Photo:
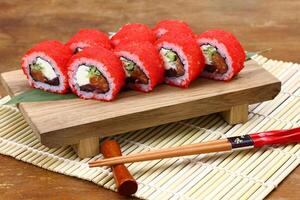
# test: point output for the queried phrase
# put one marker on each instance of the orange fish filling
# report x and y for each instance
(96, 81)
(134, 74)
(37, 75)
(215, 63)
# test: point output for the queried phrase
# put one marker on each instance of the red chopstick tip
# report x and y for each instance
(276, 137)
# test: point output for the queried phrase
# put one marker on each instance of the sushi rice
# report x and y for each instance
(49, 73)
(178, 50)
(142, 65)
(139, 63)
(96, 73)
(224, 55)
(222, 50)
(183, 59)
(45, 66)
(73, 72)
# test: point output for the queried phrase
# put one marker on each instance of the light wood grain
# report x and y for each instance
(236, 114)
(69, 121)
(87, 147)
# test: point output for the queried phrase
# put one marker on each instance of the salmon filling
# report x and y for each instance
(214, 62)
(134, 74)
(173, 65)
(90, 79)
(41, 71)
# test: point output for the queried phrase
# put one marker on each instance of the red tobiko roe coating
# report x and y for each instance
(110, 62)
(147, 53)
(58, 52)
(188, 45)
(232, 44)
(133, 32)
(176, 26)
(89, 38)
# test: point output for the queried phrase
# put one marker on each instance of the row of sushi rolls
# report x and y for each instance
(95, 66)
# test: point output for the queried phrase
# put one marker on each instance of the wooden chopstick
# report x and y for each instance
(205, 147)
(238, 142)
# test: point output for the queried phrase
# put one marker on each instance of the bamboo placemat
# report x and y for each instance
(250, 174)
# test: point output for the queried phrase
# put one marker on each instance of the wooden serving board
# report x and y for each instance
(81, 122)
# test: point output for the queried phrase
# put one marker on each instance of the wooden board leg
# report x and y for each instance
(236, 114)
(87, 147)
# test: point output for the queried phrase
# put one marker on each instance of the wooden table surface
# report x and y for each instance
(258, 25)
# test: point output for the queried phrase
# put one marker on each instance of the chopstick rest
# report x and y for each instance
(125, 183)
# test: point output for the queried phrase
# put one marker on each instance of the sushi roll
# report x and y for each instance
(142, 64)
(175, 26)
(88, 38)
(133, 32)
(45, 66)
(182, 58)
(224, 55)
(96, 73)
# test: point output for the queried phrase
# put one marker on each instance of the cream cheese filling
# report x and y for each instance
(46, 69)
(82, 75)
